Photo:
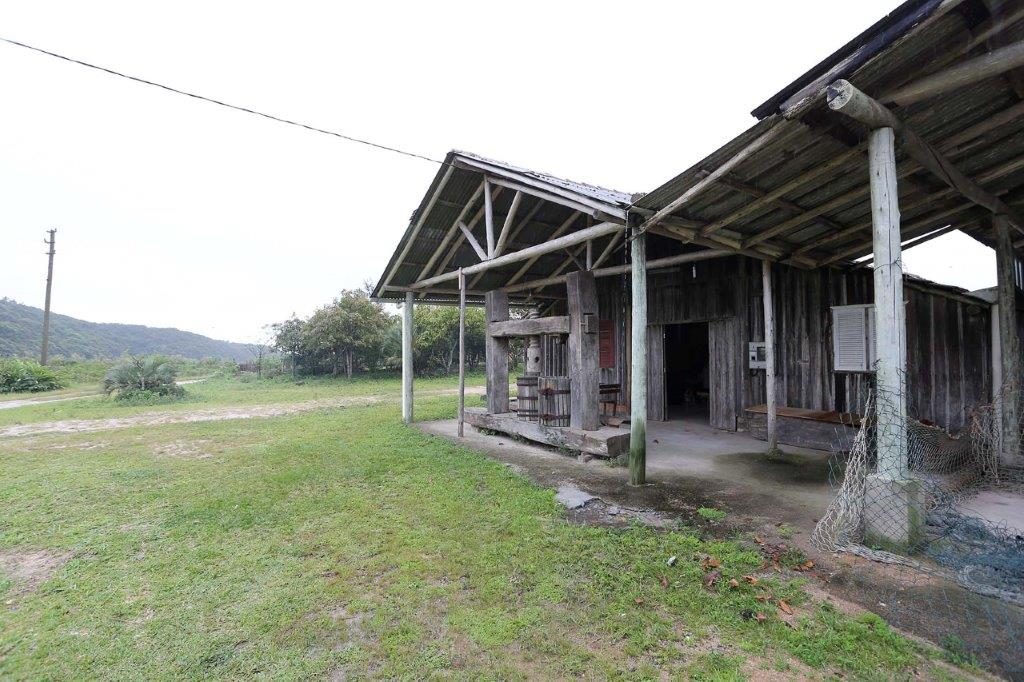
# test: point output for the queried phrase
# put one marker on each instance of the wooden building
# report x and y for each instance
(789, 235)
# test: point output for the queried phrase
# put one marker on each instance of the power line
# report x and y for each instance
(222, 103)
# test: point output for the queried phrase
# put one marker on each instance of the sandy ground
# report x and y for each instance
(207, 415)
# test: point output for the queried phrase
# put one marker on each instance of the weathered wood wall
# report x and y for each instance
(949, 340)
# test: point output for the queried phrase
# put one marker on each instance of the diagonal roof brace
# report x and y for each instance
(846, 99)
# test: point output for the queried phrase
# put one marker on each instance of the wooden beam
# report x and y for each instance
(530, 326)
(531, 185)
(658, 264)
(407, 369)
(473, 242)
(496, 353)
(576, 205)
(584, 355)
(506, 227)
(515, 233)
(846, 99)
(992, 64)
(612, 243)
(538, 250)
(462, 353)
(488, 219)
(994, 173)
(554, 235)
(779, 202)
(712, 177)
(890, 311)
(638, 361)
(441, 251)
(812, 174)
(1010, 351)
(419, 224)
(769, 352)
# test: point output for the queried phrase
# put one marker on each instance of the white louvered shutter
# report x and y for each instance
(849, 337)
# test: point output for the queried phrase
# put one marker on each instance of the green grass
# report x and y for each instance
(711, 514)
(342, 540)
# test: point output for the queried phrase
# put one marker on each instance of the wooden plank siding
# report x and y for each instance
(948, 339)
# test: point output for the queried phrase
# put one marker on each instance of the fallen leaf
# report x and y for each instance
(760, 617)
(711, 579)
(709, 563)
(786, 608)
(808, 565)
(758, 539)
(664, 582)
(751, 579)
(639, 601)
(733, 583)
(763, 597)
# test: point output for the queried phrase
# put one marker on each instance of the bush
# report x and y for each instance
(139, 379)
(18, 376)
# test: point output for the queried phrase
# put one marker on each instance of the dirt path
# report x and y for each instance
(207, 415)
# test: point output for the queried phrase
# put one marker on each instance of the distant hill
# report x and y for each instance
(21, 328)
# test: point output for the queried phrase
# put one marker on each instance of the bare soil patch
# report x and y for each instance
(30, 568)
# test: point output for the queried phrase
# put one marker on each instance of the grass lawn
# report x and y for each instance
(339, 542)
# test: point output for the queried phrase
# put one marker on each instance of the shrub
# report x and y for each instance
(138, 379)
(18, 376)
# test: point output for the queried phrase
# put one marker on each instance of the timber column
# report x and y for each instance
(638, 366)
(407, 333)
(584, 356)
(1009, 398)
(893, 514)
(496, 309)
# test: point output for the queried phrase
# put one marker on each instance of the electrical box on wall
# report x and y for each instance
(757, 353)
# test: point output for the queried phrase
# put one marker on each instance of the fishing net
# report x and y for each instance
(946, 535)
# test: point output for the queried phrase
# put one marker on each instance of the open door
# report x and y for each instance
(725, 357)
(656, 408)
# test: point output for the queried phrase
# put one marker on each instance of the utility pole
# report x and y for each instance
(51, 242)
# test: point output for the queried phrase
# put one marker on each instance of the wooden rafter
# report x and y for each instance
(846, 99)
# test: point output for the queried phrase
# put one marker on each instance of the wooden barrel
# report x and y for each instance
(527, 403)
(554, 401)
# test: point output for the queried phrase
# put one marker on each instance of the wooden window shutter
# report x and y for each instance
(606, 339)
(853, 342)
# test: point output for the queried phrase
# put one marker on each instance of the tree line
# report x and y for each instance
(353, 334)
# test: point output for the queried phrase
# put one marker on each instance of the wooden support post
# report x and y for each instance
(638, 370)
(407, 332)
(769, 352)
(584, 356)
(462, 352)
(489, 218)
(1008, 399)
(496, 310)
(890, 313)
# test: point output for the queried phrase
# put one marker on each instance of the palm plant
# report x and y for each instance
(153, 375)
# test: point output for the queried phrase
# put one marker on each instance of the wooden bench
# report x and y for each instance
(815, 429)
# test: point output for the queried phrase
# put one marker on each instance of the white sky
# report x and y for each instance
(174, 212)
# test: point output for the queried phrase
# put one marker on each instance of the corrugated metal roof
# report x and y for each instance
(827, 219)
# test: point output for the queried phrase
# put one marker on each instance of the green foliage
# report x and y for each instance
(21, 329)
(143, 379)
(436, 344)
(17, 376)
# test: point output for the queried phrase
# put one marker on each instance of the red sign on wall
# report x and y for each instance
(606, 338)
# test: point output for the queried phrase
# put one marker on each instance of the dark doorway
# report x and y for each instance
(687, 375)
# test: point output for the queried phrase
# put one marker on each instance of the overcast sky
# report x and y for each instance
(175, 212)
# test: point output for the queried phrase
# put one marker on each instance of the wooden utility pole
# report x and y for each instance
(51, 242)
